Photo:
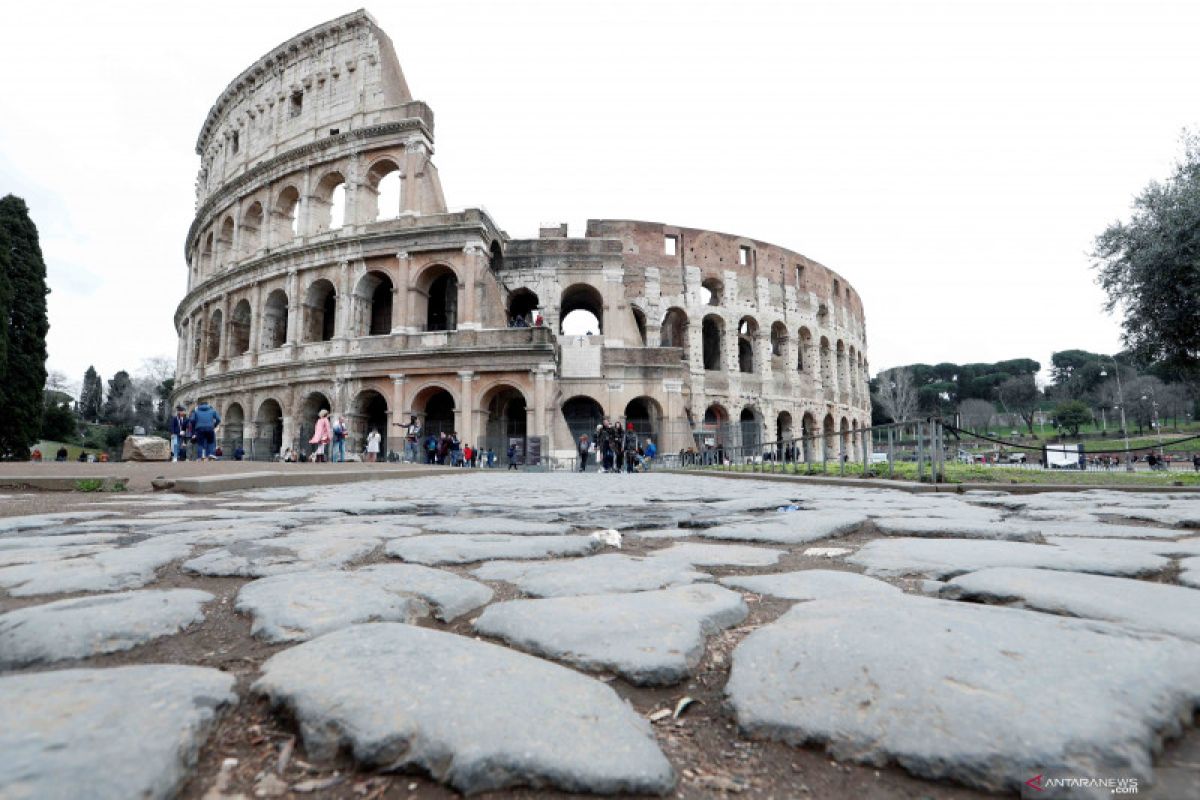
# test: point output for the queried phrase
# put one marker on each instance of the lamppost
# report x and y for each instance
(1121, 399)
(1154, 420)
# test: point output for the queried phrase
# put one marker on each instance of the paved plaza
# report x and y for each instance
(547, 635)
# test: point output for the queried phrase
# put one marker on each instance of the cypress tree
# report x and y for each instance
(90, 396)
(23, 308)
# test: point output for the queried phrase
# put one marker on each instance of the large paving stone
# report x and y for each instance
(944, 558)
(649, 638)
(450, 595)
(603, 574)
(454, 548)
(111, 570)
(474, 715)
(36, 555)
(88, 626)
(983, 695)
(718, 555)
(1156, 607)
(484, 525)
(58, 519)
(794, 527)
(953, 527)
(1105, 530)
(1189, 572)
(812, 584)
(291, 553)
(106, 733)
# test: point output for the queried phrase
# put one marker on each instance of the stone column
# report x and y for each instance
(540, 427)
(469, 317)
(462, 411)
(256, 322)
(293, 320)
(303, 213)
(673, 437)
(399, 405)
(343, 308)
(763, 355)
(401, 302)
(223, 334)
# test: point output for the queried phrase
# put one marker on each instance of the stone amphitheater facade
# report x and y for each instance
(312, 285)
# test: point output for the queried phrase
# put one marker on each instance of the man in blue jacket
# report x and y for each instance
(180, 434)
(204, 422)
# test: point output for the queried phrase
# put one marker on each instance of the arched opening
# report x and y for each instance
(225, 242)
(310, 409)
(785, 448)
(713, 332)
(252, 229)
(370, 414)
(582, 415)
(713, 435)
(712, 292)
(826, 366)
(829, 438)
(803, 351)
(197, 342)
(329, 203)
(232, 425)
(239, 328)
(808, 427)
(373, 299)
(275, 320)
(645, 414)
(269, 425)
(747, 331)
(436, 408)
(522, 308)
(674, 330)
(214, 336)
(751, 430)
(843, 375)
(506, 415)
(497, 257)
(384, 182)
(320, 311)
(779, 337)
(438, 286)
(844, 443)
(286, 215)
(581, 310)
(639, 319)
(206, 255)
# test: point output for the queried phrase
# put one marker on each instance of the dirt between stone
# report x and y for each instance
(703, 745)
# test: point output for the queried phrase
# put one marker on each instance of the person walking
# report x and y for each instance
(512, 456)
(411, 437)
(491, 458)
(322, 436)
(179, 432)
(583, 447)
(629, 444)
(339, 440)
(203, 422)
(373, 441)
(650, 451)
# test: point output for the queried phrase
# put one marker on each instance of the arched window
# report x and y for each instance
(747, 331)
(639, 319)
(581, 311)
(214, 336)
(373, 305)
(779, 337)
(713, 332)
(252, 228)
(225, 243)
(239, 328)
(804, 351)
(320, 311)
(286, 215)
(329, 203)
(275, 320)
(442, 309)
(582, 415)
(674, 330)
(384, 183)
(712, 292)
(522, 307)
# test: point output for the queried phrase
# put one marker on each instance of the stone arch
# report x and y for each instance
(845, 444)
(320, 311)
(233, 422)
(804, 343)
(712, 292)
(842, 373)
(808, 430)
(496, 257)
(646, 414)
(582, 414)
(437, 297)
(639, 321)
(240, 322)
(674, 330)
(713, 334)
(715, 430)
(285, 216)
(779, 343)
(327, 201)
(206, 254)
(585, 299)
(215, 324)
(307, 412)
(369, 411)
(747, 333)
(268, 424)
(372, 308)
(252, 230)
(783, 427)
(523, 304)
(828, 437)
(197, 341)
(435, 406)
(505, 411)
(275, 320)
(826, 365)
(382, 198)
(751, 426)
(225, 242)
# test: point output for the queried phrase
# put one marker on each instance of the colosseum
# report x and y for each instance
(325, 271)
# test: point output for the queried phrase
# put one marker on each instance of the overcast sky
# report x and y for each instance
(954, 160)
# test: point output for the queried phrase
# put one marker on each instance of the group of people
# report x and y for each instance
(329, 441)
(61, 456)
(617, 448)
(447, 449)
(526, 320)
(198, 428)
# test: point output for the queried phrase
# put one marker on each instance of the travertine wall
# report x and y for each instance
(383, 311)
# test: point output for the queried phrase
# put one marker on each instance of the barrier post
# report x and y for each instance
(920, 451)
(891, 454)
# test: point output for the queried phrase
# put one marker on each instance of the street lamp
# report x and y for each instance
(1121, 399)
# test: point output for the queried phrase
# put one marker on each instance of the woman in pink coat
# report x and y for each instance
(322, 436)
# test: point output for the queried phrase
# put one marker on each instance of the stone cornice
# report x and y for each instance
(260, 170)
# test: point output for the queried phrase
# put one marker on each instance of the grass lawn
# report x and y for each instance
(50, 448)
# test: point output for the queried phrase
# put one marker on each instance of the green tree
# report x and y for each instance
(23, 308)
(1071, 415)
(1019, 395)
(1149, 266)
(118, 405)
(91, 396)
(58, 421)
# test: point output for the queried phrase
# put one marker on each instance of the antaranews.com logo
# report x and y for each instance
(1041, 783)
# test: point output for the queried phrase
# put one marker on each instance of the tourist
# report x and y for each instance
(218, 453)
(373, 440)
(539, 321)
(288, 456)
(512, 456)
(203, 422)
(180, 433)
(584, 446)
(103, 459)
(83, 457)
(443, 448)
(322, 435)
(650, 451)
(629, 444)
(491, 458)
(61, 455)
(239, 453)
(35, 456)
(468, 454)
(1196, 462)
(455, 449)
(431, 446)
(338, 429)
(411, 436)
